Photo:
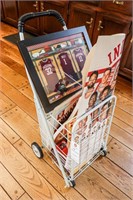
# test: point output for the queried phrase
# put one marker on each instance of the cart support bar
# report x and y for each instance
(32, 15)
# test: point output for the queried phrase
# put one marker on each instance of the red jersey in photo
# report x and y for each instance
(66, 64)
(80, 57)
(49, 72)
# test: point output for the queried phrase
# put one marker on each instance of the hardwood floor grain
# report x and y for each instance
(47, 172)
(12, 77)
(26, 90)
(123, 125)
(122, 136)
(125, 104)
(25, 197)
(124, 116)
(94, 186)
(26, 127)
(120, 178)
(32, 182)
(11, 51)
(3, 194)
(121, 155)
(17, 67)
(18, 98)
(124, 90)
(5, 103)
(8, 132)
(14, 190)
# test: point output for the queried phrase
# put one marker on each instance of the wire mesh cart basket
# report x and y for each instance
(73, 143)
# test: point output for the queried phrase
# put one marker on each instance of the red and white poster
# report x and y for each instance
(100, 71)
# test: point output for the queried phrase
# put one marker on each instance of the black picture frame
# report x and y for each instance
(23, 47)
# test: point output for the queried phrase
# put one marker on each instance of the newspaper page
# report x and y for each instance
(63, 112)
(99, 79)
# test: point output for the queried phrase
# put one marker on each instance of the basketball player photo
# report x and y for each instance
(90, 84)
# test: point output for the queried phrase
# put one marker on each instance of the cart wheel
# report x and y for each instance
(37, 150)
(72, 183)
(104, 153)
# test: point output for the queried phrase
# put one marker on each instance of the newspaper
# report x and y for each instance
(98, 83)
(63, 111)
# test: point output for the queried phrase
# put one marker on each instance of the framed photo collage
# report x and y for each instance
(55, 62)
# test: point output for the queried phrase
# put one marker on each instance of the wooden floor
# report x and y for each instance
(23, 176)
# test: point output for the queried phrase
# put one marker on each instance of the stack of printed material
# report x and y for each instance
(99, 74)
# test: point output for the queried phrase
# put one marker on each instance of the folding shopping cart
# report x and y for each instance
(75, 144)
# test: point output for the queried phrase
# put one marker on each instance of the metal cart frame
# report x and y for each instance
(44, 119)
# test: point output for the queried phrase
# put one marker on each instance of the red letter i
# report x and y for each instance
(110, 60)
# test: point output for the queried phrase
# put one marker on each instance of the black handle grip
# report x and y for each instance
(32, 15)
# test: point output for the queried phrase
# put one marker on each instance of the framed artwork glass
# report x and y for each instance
(54, 63)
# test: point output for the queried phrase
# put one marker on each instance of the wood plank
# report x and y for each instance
(32, 182)
(17, 67)
(5, 103)
(121, 135)
(3, 195)
(125, 91)
(25, 197)
(124, 81)
(94, 186)
(27, 91)
(124, 116)
(12, 77)
(18, 98)
(29, 132)
(7, 60)
(9, 133)
(125, 104)
(109, 139)
(115, 175)
(7, 30)
(50, 162)
(11, 51)
(41, 167)
(14, 190)
(123, 125)
(47, 172)
(8, 43)
(25, 127)
(121, 155)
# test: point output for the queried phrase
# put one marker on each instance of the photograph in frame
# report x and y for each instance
(55, 62)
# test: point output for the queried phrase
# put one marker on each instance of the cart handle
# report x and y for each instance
(32, 15)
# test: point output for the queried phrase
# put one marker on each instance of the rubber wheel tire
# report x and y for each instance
(37, 150)
(72, 183)
(104, 153)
